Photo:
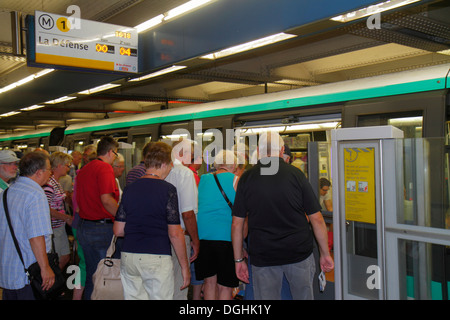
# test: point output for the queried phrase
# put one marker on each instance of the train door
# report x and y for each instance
(26, 145)
(298, 137)
(138, 137)
(208, 136)
(77, 142)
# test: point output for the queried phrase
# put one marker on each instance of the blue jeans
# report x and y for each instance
(94, 238)
(26, 293)
(267, 281)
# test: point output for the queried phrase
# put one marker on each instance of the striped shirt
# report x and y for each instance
(136, 172)
(30, 218)
(56, 196)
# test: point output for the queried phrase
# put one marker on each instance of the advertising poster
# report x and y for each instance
(359, 173)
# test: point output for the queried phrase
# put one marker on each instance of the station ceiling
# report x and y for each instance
(323, 52)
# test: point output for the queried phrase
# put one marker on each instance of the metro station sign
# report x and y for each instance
(85, 44)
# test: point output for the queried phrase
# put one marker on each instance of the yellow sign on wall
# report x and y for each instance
(359, 173)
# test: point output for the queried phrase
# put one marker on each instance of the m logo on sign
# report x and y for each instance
(46, 22)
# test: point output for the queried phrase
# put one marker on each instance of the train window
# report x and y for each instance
(411, 124)
(298, 135)
(138, 145)
(79, 145)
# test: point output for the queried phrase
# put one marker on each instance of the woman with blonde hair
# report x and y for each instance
(60, 163)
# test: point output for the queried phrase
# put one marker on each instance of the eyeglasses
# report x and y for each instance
(10, 163)
(115, 153)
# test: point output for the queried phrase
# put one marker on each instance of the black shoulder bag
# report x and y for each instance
(34, 271)
(223, 192)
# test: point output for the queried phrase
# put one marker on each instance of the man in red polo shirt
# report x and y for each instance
(97, 196)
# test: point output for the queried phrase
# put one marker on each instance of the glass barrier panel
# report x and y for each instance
(424, 179)
(426, 270)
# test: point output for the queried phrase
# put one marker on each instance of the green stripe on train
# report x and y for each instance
(390, 90)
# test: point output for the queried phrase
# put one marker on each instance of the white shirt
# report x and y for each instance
(183, 179)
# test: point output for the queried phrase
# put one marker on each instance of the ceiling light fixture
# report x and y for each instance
(9, 114)
(59, 100)
(160, 72)
(175, 12)
(249, 45)
(100, 88)
(186, 7)
(25, 80)
(150, 23)
(446, 52)
(376, 8)
(34, 107)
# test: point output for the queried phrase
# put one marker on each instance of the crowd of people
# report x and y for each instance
(175, 228)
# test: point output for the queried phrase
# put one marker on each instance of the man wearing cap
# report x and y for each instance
(8, 168)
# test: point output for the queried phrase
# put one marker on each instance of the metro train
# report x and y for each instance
(415, 101)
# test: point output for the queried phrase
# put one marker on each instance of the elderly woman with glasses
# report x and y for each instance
(60, 165)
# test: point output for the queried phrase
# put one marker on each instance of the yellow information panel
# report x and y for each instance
(359, 173)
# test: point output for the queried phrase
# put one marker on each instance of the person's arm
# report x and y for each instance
(237, 239)
(119, 228)
(109, 203)
(55, 214)
(176, 237)
(120, 218)
(188, 197)
(320, 232)
(190, 223)
(328, 205)
(40, 252)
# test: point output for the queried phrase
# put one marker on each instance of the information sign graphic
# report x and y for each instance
(89, 44)
(359, 174)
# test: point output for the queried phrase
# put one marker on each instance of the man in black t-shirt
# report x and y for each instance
(280, 205)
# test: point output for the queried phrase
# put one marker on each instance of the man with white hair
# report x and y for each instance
(279, 203)
(183, 179)
(8, 167)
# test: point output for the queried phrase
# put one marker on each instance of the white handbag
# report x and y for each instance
(106, 279)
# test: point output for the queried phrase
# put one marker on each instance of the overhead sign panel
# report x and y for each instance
(84, 44)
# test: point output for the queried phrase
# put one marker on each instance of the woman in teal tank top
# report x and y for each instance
(215, 263)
